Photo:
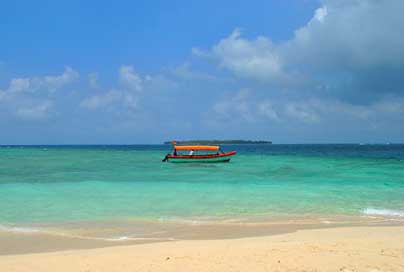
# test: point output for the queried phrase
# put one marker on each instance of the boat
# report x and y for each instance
(198, 153)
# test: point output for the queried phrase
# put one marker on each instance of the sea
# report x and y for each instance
(48, 186)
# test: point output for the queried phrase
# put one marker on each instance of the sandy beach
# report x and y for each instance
(202, 136)
(373, 249)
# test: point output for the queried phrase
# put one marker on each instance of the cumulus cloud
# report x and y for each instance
(185, 72)
(255, 59)
(126, 97)
(101, 101)
(267, 109)
(302, 111)
(348, 48)
(385, 108)
(244, 106)
(45, 83)
(93, 80)
(57, 82)
(35, 112)
(237, 105)
(110, 99)
(320, 14)
(19, 85)
(29, 98)
(130, 79)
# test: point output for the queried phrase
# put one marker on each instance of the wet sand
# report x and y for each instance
(377, 248)
(96, 234)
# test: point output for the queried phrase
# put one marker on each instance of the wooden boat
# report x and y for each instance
(198, 153)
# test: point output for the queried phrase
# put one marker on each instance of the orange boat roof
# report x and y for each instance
(196, 147)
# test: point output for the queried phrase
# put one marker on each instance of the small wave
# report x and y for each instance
(126, 238)
(117, 239)
(183, 220)
(17, 229)
(384, 212)
(326, 222)
(27, 230)
(204, 220)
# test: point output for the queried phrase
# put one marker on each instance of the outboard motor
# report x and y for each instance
(165, 158)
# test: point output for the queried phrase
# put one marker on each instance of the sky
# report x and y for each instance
(144, 72)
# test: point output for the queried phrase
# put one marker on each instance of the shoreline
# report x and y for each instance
(360, 248)
(100, 234)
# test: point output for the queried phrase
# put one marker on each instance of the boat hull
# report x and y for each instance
(224, 157)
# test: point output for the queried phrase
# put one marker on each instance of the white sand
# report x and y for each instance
(339, 249)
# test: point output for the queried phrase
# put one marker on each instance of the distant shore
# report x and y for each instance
(218, 142)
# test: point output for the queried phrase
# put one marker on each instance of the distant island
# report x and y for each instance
(217, 142)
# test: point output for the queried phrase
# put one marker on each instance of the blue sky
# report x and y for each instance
(122, 72)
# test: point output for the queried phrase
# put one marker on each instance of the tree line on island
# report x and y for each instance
(217, 142)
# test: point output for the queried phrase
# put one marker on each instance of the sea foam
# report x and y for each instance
(384, 212)
(17, 229)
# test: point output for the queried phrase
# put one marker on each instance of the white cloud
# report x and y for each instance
(29, 98)
(390, 106)
(45, 83)
(236, 106)
(35, 112)
(19, 85)
(349, 46)
(320, 14)
(255, 59)
(57, 82)
(323, 110)
(110, 99)
(301, 111)
(267, 109)
(245, 107)
(93, 80)
(185, 72)
(119, 100)
(198, 52)
(130, 79)
(341, 73)
(101, 101)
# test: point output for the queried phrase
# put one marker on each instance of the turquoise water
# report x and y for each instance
(72, 183)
